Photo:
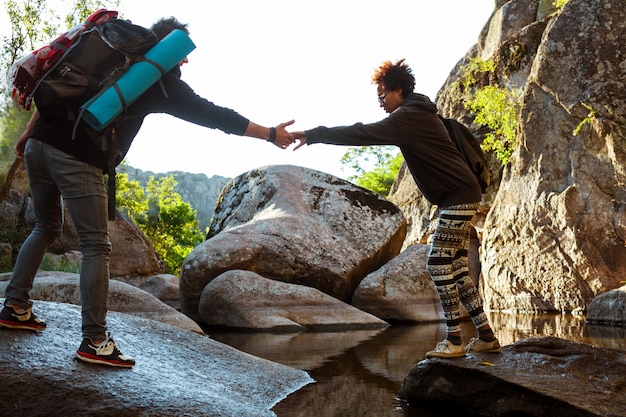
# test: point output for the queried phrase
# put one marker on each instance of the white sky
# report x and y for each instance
(276, 60)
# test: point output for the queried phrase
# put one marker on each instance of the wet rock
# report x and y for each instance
(177, 372)
(245, 300)
(534, 377)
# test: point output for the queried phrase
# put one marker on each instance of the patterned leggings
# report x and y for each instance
(448, 268)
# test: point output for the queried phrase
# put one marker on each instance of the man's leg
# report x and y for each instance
(48, 213)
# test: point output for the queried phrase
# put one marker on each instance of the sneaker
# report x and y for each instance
(478, 345)
(446, 349)
(106, 353)
(27, 320)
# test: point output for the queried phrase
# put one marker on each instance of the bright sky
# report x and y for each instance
(277, 60)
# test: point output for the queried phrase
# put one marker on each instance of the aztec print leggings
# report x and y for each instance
(448, 267)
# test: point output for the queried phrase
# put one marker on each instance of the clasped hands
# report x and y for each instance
(284, 138)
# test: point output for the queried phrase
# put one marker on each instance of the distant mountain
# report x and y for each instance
(200, 191)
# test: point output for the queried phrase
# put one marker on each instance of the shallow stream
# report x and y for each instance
(359, 373)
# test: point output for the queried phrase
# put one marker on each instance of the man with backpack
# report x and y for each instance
(65, 168)
(444, 178)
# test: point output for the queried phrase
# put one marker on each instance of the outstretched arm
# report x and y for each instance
(278, 135)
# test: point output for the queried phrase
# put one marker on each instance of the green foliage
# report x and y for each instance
(590, 115)
(167, 221)
(376, 167)
(558, 4)
(497, 108)
(13, 233)
(59, 264)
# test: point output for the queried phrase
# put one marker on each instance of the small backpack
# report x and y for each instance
(93, 60)
(470, 149)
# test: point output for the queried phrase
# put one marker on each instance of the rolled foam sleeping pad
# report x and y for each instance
(139, 77)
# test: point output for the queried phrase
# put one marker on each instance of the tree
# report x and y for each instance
(159, 211)
(376, 167)
(33, 24)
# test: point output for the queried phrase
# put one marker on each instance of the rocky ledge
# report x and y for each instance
(178, 372)
(534, 377)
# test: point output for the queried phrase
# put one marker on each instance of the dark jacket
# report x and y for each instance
(439, 170)
(179, 101)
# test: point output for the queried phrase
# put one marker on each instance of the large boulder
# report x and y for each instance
(608, 308)
(401, 290)
(554, 238)
(535, 377)
(177, 372)
(554, 224)
(246, 301)
(295, 225)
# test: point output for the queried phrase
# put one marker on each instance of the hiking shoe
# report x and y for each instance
(478, 345)
(446, 349)
(27, 320)
(106, 353)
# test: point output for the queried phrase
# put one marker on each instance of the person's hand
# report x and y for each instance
(21, 142)
(283, 138)
(20, 145)
(300, 137)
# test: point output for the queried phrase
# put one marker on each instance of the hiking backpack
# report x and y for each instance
(469, 147)
(90, 58)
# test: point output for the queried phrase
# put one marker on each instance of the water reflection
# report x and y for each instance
(359, 373)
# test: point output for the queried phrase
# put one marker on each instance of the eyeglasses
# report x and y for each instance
(381, 97)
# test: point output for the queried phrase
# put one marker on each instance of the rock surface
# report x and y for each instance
(553, 238)
(63, 287)
(608, 308)
(244, 300)
(177, 372)
(401, 290)
(295, 225)
(535, 377)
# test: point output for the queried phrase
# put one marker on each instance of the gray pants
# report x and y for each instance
(53, 174)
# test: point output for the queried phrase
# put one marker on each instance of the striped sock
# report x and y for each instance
(454, 339)
(486, 335)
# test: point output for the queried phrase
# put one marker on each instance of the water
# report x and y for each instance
(359, 373)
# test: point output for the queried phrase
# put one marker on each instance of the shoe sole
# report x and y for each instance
(445, 355)
(100, 361)
(20, 326)
(486, 351)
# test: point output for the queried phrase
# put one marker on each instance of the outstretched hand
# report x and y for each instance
(283, 138)
(300, 137)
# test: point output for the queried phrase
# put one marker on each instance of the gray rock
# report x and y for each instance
(553, 238)
(165, 287)
(244, 300)
(401, 290)
(536, 377)
(177, 372)
(608, 308)
(63, 287)
(295, 225)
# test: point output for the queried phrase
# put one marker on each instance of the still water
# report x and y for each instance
(359, 373)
